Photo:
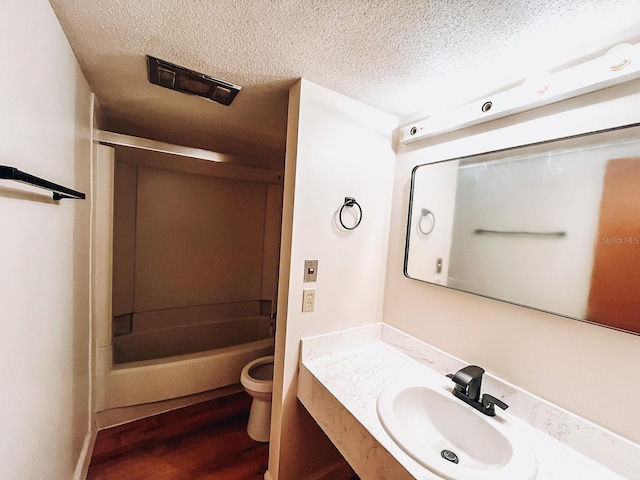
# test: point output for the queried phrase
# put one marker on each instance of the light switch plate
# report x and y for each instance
(310, 270)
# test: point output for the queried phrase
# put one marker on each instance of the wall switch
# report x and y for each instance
(308, 299)
(310, 270)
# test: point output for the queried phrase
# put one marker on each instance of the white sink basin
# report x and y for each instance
(436, 429)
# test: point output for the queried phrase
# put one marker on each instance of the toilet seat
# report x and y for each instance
(258, 375)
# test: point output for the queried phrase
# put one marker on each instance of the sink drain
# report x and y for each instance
(449, 455)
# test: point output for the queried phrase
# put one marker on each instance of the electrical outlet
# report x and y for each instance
(308, 299)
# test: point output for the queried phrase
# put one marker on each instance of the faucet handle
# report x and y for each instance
(489, 402)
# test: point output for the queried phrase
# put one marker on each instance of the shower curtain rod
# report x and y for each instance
(120, 140)
(59, 192)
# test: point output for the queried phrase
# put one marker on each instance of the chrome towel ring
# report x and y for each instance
(350, 202)
(426, 213)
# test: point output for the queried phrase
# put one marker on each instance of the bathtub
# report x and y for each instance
(146, 380)
(149, 363)
(182, 339)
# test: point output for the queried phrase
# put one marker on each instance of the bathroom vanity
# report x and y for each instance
(343, 374)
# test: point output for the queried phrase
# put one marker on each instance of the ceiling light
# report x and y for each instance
(184, 80)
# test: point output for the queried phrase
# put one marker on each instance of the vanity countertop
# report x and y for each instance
(340, 380)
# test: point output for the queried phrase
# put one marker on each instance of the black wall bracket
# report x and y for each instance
(59, 192)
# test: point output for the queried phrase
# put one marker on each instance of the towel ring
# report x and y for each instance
(425, 213)
(350, 202)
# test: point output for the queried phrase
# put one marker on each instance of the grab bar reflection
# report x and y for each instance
(480, 231)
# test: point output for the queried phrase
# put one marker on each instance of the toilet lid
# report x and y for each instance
(262, 372)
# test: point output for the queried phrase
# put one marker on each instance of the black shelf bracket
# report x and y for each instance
(59, 192)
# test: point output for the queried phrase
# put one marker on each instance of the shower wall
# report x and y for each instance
(184, 239)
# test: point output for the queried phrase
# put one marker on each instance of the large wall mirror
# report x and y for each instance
(553, 226)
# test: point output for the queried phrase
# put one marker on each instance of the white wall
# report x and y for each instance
(336, 147)
(587, 369)
(44, 285)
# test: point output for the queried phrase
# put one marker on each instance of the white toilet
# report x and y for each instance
(257, 380)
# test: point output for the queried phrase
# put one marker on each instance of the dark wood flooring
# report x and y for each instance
(206, 441)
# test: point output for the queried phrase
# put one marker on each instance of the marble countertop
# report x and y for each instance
(355, 367)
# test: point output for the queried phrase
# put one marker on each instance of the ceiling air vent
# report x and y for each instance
(184, 80)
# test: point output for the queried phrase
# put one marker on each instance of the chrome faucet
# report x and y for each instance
(468, 381)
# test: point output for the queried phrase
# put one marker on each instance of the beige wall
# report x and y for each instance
(44, 286)
(184, 240)
(337, 147)
(587, 369)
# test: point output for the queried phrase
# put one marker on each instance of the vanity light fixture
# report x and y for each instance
(615, 67)
(619, 56)
(188, 81)
(537, 83)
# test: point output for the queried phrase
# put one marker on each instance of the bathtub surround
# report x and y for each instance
(153, 380)
(197, 306)
(194, 239)
(374, 356)
(46, 129)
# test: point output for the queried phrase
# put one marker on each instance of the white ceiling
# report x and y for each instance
(402, 57)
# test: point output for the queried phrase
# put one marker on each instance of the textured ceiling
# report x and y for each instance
(402, 57)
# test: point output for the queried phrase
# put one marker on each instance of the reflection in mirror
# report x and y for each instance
(553, 226)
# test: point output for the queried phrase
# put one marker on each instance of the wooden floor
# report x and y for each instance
(204, 441)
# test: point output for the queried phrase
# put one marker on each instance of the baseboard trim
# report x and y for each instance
(84, 460)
